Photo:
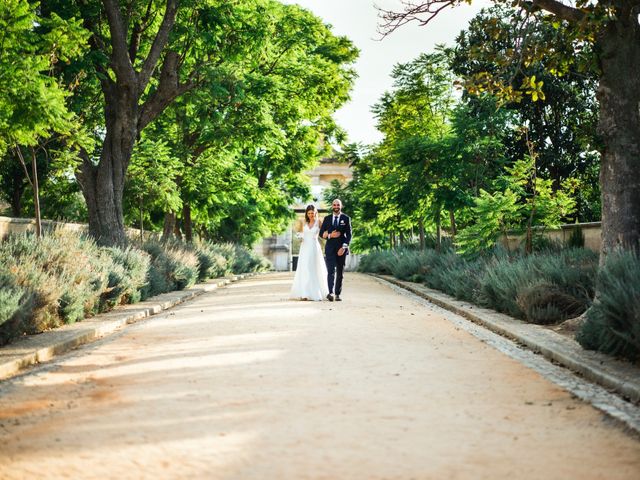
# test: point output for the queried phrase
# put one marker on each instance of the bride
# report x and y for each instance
(310, 280)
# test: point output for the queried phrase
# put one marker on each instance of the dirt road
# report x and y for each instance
(245, 384)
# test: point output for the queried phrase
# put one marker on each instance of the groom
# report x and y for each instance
(336, 229)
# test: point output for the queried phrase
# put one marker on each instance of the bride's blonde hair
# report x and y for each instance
(306, 213)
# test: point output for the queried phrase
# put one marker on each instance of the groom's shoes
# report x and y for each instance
(338, 299)
(330, 297)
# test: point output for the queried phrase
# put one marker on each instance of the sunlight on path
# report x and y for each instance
(245, 384)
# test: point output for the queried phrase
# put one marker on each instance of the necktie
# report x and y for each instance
(335, 222)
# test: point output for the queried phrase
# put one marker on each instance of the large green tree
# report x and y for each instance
(32, 99)
(562, 125)
(262, 116)
(613, 30)
(144, 54)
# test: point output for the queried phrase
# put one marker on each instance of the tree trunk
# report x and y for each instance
(438, 229)
(452, 220)
(423, 243)
(141, 220)
(16, 200)
(36, 193)
(186, 222)
(103, 184)
(619, 127)
(169, 226)
(176, 230)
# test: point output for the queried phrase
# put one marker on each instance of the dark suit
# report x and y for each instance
(335, 263)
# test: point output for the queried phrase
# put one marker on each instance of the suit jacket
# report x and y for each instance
(344, 227)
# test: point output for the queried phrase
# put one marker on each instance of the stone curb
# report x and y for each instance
(40, 348)
(615, 375)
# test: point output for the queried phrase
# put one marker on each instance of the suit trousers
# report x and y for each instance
(335, 270)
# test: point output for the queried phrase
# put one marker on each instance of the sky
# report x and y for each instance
(358, 20)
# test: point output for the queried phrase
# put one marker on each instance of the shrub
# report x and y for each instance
(461, 278)
(10, 297)
(379, 261)
(53, 277)
(576, 239)
(211, 263)
(63, 277)
(411, 265)
(245, 260)
(542, 302)
(613, 322)
(174, 266)
(128, 271)
(541, 288)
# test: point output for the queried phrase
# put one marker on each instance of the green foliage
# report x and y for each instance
(494, 214)
(32, 103)
(258, 121)
(613, 322)
(151, 179)
(540, 288)
(379, 261)
(64, 277)
(11, 296)
(174, 266)
(127, 276)
(576, 239)
(522, 199)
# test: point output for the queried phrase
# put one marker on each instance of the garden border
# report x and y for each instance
(615, 375)
(33, 349)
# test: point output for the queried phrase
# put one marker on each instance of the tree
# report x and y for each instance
(32, 101)
(563, 125)
(613, 29)
(143, 55)
(262, 117)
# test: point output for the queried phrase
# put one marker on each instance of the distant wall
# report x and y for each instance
(20, 225)
(592, 235)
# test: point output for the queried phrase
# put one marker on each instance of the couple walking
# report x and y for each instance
(316, 277)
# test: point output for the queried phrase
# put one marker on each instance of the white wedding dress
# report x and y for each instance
(310, 280)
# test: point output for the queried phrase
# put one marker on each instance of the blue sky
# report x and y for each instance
(357, 19)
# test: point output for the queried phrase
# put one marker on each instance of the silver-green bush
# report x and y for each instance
(613, 322)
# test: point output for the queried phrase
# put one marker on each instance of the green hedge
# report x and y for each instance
(613, 322)
(63, 277)
(545, 287)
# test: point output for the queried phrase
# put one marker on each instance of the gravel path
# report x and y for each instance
(245, 384)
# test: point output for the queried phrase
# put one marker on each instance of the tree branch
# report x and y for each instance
(422, 13)
(560, 10)
(121, 63)
(159, 43)
(168, 90)
(425, 12)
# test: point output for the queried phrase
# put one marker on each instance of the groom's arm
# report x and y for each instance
(323, 228)
(346, 239)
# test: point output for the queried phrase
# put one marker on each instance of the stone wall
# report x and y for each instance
(20, 225)
(591, 231)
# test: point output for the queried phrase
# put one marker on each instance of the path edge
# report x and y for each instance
(617, 376)
(35, 349)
